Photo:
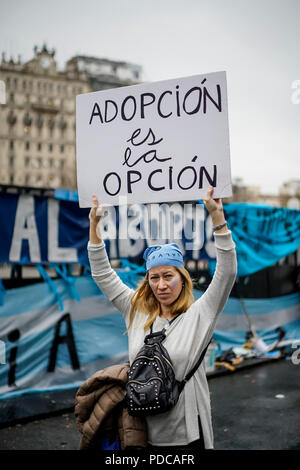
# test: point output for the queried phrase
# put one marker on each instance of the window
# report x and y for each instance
(26, 162)
(62, 149)
(39, 146)
(39, 180)
(11, 161)
(50, 147)
(51, 124)
(27, 123)
(39, 122)
(45, 163)
(11, 118)
(27, 145)
(36, 163)
(11, 144)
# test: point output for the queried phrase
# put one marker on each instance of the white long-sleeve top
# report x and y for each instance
(186, 338)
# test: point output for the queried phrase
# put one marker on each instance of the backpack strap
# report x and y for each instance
(164, 329)
(191, 373)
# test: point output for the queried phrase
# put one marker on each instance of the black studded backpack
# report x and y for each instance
(152, 387)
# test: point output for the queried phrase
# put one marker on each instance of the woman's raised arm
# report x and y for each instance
(219, 289)
(104, 276)
(95, 216)
(215, 209)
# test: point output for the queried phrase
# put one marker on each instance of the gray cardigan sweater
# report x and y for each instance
(186, 338)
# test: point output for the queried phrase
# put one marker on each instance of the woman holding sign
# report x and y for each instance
(164, 295)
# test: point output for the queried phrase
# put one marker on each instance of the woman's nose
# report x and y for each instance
(162, 283)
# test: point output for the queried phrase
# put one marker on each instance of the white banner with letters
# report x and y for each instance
(154, 142)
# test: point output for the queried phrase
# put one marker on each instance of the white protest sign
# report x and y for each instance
(154, 142)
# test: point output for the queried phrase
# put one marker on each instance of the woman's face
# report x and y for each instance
(166, 283)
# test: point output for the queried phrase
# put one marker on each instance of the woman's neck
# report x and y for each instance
(165, 312)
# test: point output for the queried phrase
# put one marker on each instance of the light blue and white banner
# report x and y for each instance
(55, 341)
(55, 338)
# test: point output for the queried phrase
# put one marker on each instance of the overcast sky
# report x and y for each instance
(257, 42)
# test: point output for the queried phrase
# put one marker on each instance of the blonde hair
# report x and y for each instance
(143, 300)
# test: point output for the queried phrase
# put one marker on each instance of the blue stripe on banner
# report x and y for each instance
(30, 391)
(258, 306)
(261, 306)
(99, 338)
(40, 296)
(66, 195)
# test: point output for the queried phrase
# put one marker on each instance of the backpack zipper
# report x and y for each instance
(158, 358)
(144, 383)
(150, 345)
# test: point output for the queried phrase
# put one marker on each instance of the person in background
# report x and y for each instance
(163, 294)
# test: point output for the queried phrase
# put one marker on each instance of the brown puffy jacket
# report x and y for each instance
(100, 411)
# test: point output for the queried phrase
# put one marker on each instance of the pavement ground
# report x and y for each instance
(256, 408)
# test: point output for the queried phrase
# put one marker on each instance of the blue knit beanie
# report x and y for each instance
(163, 255)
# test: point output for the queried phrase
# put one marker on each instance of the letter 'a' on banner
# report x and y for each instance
(154, 142)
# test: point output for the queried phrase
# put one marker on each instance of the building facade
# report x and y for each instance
(251, 194)
(37, 131)
(289, 194)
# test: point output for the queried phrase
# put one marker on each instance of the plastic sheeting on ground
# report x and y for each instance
(55, 339)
